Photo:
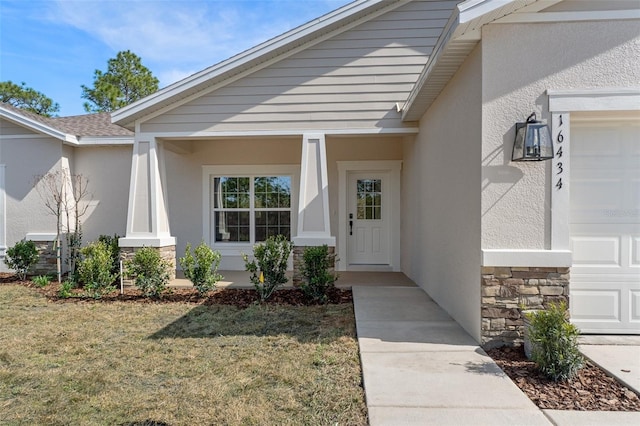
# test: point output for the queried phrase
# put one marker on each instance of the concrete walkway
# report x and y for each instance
(420, 367)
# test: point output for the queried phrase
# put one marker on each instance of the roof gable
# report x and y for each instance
(254, 59)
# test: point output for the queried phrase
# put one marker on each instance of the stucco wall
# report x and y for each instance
(108, 170)
(441, 198)
(519, 63)
(24, 159)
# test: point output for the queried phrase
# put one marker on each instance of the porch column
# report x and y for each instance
(147, 217)
(314, 228)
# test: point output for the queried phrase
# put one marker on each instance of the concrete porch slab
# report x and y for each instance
(593, 418)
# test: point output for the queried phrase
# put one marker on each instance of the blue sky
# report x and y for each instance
(54, 46)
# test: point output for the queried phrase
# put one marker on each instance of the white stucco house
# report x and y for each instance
(385, 129)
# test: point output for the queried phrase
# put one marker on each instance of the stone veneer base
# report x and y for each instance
(298, 256)
(47, 263)
(508, 290)
(167, 253)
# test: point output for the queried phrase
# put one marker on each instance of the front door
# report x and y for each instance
(368, 218)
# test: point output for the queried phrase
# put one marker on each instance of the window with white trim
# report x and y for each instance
(250, 208)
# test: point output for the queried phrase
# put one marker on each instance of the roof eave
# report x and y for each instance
(38, 127)
(459, 38)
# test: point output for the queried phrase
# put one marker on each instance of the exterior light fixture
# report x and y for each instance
(533, 141)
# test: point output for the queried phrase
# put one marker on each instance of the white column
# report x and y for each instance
(147, 218)
(313, 203)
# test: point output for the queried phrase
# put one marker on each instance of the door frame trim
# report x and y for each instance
(394, 168)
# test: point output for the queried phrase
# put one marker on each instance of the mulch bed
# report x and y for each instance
(591, 390)
(241, 298)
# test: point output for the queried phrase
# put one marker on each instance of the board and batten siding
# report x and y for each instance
(350, 81)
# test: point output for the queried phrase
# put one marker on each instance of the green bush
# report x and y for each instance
(21, 257)
(94, 269)
(269, 267)
(112, 242)
(554, 343)
(317, 280)
(41, 280)
(65, 289)
(201, 269)
(149, 271)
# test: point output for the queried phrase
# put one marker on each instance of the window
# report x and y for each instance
(369, 198)
(248, 209)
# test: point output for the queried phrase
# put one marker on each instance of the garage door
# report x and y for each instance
(605, 226)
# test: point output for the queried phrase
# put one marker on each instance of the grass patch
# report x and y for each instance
(177, 364)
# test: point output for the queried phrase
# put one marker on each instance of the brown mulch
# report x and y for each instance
(591, 390)
(241, 298)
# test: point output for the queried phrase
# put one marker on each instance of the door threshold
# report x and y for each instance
(367, 267)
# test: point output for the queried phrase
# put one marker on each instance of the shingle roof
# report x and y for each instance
(91, 125)
(77, 125)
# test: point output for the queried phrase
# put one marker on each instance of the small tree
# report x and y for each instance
(316, 265)
(268, 269)
(112, 242)
(555, 343)
(149, 271)
(21, 257)
(201, 269)
(64, 195)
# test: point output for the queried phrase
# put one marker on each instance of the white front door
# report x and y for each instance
(368, 218)
(605, 226)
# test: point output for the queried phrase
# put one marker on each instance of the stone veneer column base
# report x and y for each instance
(168, 253)
(298, 256)
(507, 290)
(47, 263)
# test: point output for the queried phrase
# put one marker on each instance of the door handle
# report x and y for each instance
(350, 223)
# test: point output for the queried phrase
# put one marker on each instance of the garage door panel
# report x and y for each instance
(605, 226)
(634, 309)
(588, 306)
(596, 251)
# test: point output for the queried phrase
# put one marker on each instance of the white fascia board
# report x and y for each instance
(260, 51)
(37, 126)
(584, 15)
(105, 140)
(473, 9)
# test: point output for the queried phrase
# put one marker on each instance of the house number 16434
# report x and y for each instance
(559, 166)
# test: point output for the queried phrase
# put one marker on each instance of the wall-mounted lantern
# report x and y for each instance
(533, 141)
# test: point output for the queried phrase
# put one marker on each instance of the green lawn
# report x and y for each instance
(181, 364)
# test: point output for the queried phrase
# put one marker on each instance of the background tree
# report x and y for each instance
(125, 81)
(23, 97)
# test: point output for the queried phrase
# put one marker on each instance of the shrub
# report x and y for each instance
(149, 271)
(201, 269)
(555, 343)
(21, 257)
(317, 280)
(112, 242)
(41, 280)
(94, 269)
(269, 267)
(65, 289)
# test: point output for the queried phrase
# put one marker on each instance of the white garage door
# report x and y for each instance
(605, 226)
